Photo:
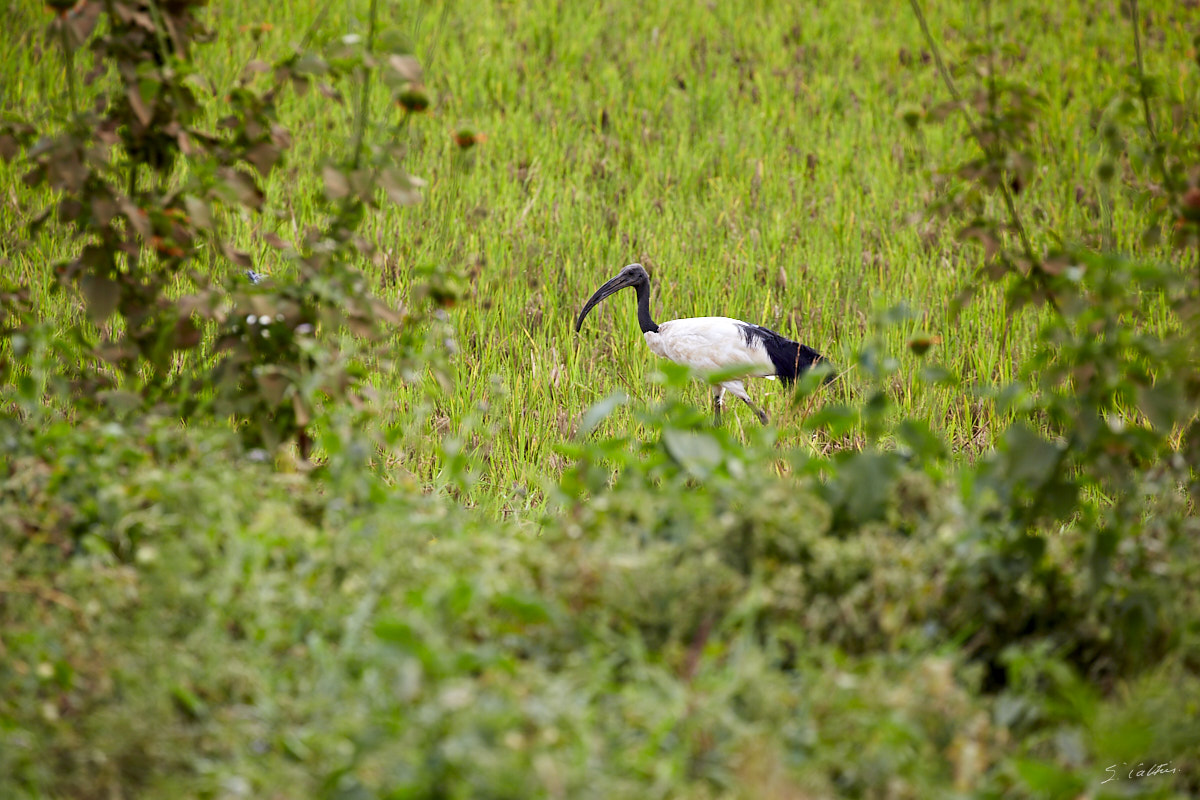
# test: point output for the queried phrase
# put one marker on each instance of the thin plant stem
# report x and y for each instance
(364, 98)
(316, 24)
(1160, 158)
(68, 63)
(1141, 68)
(991, 152)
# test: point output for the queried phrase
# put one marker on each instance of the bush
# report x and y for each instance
(694, 642)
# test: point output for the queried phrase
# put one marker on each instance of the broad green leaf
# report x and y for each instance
(600, 411)
(1047, 779)
(528, 609)
(698, 453)
(1031, 458)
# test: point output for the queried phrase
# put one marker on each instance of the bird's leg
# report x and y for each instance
(718, 395)
(738, 389)
(762, 415)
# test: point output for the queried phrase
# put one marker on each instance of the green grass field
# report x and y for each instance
(513, 605)
(751, 155)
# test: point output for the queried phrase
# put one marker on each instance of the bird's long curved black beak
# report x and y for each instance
(612, 287)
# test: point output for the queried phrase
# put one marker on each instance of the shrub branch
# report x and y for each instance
(991, 152)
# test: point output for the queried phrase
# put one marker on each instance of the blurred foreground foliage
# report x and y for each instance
(184, 611)
(180, 620)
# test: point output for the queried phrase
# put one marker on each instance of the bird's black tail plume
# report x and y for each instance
(804, 358)
(789, 358)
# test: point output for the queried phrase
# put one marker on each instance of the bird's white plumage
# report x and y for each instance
(709, 344)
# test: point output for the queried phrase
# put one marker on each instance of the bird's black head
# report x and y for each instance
(632, 275)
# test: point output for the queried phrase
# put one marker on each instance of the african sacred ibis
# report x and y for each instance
(712, 344)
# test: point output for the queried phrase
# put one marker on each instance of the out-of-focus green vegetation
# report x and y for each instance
(382, 526)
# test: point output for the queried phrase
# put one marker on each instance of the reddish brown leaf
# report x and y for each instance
(199, 212)
(385, 312)
(302, 415)
(187, 335)
(243, 187)
(1056, 265)
(187, 145)
(311, 64)
(136, 217)
(263, 156)
(9, 147)
(113, 353)
(200, 304)
(37, 222)
(280, 136)
(255, 67)
(329, 91)
(82, 21)
(140, 109)
(142, 19)
(362, 183)
(407, 67)
(239, 257)
(360, 326)
(272, 385)
(275, 241)
(103, 209)
(34, 176)
(69, 209)
(399, 187)
(336, 184)
(96, 259)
